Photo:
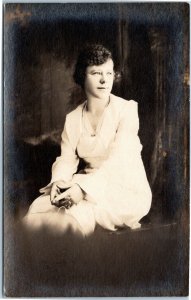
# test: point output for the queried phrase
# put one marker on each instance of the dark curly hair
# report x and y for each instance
(91, 55)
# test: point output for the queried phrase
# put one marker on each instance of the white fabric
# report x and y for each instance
(114, 179)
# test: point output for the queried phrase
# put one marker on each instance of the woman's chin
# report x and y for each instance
(103, 94)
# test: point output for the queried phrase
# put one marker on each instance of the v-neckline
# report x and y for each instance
(90, 129)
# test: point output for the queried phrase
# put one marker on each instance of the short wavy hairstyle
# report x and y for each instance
(91, 55)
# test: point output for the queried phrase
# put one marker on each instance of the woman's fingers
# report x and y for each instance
(64, 199)
(56, 189)
(54, 192)
(60, 196)
(73, 194)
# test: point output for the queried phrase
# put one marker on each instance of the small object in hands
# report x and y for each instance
(65, 202)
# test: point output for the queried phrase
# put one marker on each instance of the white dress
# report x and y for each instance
(116, 188)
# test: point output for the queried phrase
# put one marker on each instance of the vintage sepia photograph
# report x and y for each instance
(96, 149)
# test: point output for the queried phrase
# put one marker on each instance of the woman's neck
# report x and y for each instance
(96, 106)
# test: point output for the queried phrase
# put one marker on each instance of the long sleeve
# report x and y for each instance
(123, 158)
(66, 164)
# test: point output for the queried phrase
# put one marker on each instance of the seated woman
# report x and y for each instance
(112, 190)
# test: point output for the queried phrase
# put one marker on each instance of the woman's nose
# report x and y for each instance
(102, 79)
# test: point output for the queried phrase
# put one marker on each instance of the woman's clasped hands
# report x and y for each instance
(64, 195)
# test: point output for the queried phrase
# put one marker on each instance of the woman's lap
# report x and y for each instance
(85, 214)
(80, 215)
(42, 204)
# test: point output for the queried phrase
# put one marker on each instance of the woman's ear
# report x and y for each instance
(117, 76)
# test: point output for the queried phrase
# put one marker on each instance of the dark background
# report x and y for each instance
(150, 45)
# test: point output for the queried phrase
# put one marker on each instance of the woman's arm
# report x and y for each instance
(65, 165)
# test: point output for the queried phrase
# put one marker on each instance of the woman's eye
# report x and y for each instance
(100, 73)
(96, 73)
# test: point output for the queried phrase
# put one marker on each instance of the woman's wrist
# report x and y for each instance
(82, 191)
(75, 193)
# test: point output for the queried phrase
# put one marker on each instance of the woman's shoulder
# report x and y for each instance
(121, 104)
(76, 112)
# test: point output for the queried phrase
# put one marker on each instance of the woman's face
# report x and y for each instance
(99, 80)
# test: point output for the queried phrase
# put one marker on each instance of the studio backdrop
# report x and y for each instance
(150, 44)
